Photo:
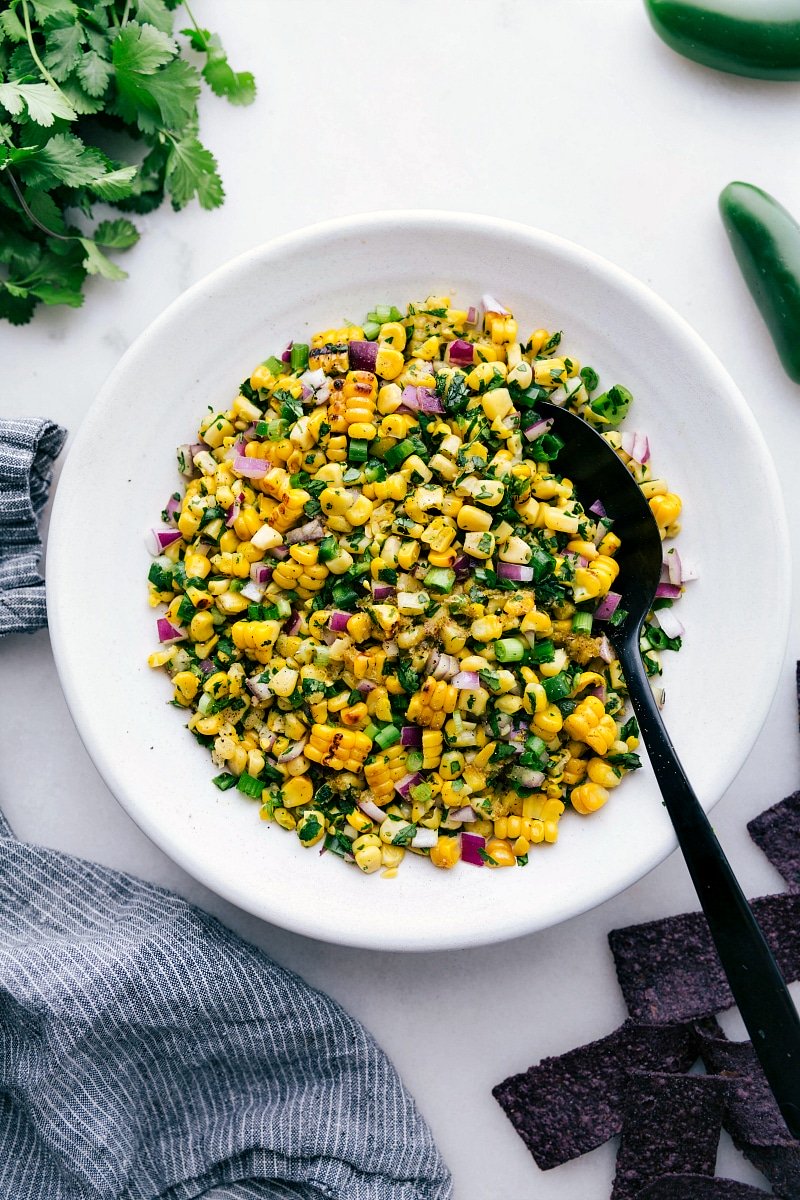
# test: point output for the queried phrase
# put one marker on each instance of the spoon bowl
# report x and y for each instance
(755, 979)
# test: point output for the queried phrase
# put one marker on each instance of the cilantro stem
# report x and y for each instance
(62, 237)
(198, 30)
(29, 35)
(125, 13)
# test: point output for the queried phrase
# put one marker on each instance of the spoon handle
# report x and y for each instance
(755, 979)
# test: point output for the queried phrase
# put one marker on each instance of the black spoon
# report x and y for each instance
(756, 982)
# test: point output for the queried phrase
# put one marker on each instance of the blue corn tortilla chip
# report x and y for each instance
(699, 1187)
(672, 1126)
(776, 831)
(566, 1106)
(669, 970)
(751, 1115)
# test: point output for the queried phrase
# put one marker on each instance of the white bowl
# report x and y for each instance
(121, 470)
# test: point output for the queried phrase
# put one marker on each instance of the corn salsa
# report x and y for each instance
(382, 597)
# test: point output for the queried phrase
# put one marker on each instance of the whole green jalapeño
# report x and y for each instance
(766, 241)
(759, 38)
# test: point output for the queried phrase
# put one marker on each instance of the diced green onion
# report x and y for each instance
(557, 687)
(398, 454)
(422, 793)
(372, 731)
(387, 737)
(358, 450)
(582, 622)
(543, 651)
(224, 781)
(250, 786)
(511, 649)
(299, 356)
(371, 330)
(414, 760)
(441, 578)
(274, 365)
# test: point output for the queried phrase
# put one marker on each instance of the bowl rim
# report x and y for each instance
(519, 923)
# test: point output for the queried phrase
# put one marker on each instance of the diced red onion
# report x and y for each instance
(515, 571)
(253, 591)
(267, 739)
(172, 508)
(410, 398)
(467, 813)
(667, 591)
(466, 681)
(608, 606)
(293, 752)
(293, 624)
(462, 566)
(365, 686)
(528, 777)
(606, 650)
(473, 315)
(598, 690)
(233, 512)
(429, 401)
(672, 561)
(159, 539)
(411, 735)
(249, 434)
(471, 845)
(670, 624)
(537, 429)
(490, 305)
(207, 666)
(424, 838)
(287, 354)
(315, 379)
(251, 468)
(598, 509)
(636, 445)
(312, 531)
(169, 633)
(306, 393)
(372, 810)
(338, 621)
(445, 667)
(237, 448)
(363, 355)
(460, 353)
(279, 552)
(382, 591)
(403, 786)
(259, 573)
(260, 690)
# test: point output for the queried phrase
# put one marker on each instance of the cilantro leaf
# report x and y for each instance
(46, 10)
(65, 159)
(94, 73)
(192, 170)
(12, 26)
(119, 234)
(63, 50)
(96, 263)
(43, 102)
(154, 12)
(239, 87)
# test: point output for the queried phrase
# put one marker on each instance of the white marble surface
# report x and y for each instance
(567, 114)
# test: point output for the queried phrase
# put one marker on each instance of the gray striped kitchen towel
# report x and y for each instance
(27, 452)
(145, 1050)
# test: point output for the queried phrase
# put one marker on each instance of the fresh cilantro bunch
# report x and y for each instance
(96, 105)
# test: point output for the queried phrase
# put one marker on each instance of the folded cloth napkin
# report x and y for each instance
(145, 1050)
(27, 452)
